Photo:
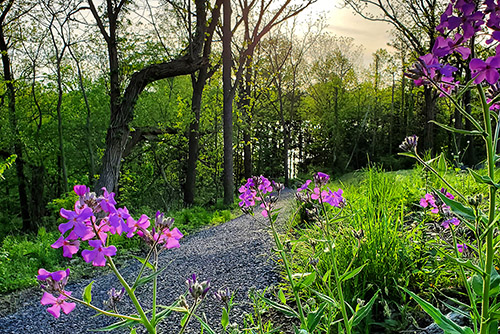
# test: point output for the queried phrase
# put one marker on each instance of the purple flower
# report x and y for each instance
(197, 289)
(69, 244)
(333, 198)
(454, 221)
(117, 220)
(482, 70)
(446, 46)
(76, 221)
(304, 186)
(265, 185)
(320, 179)
(56, 276)
(461, 247)
(81, 190)
(97, 255)
(446, 193)
(58, 304)
(107, 201)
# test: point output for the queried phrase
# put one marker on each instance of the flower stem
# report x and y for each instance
(95, 308)
(131, 294)
(490, 153)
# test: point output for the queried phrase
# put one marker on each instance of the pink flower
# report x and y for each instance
(57, 276)
(107, 201)
(97, 255)
(171, 238)
(58, 304)
(142, 223)
(428, 200)
(70, 245)
(461, 247)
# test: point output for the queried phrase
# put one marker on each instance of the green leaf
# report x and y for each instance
(87, 293)
(448, 326)
(313, 318)
(407, 154)
(149, 278)
(184, 319)
(363, 311)
(281, 296)
(141, 260)
(483, 178)
(204, 325)
(133, 331)
(306, 280)
(167, 310)
(461, 131)
(285, 309)
(464, 89)
(441, 167)
(117, 325)
(466, 264)
(224, 319)
(477, 284)
(326, 298)
(457, 207)
(326, 275)
(351, 273)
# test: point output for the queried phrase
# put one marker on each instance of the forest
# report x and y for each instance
(127, 95)
(177, 106)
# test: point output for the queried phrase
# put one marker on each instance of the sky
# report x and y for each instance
(343, 22)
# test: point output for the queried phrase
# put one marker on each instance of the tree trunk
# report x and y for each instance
(227, 105)
(194, 133)
(11, 98)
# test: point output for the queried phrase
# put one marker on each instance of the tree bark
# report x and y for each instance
(228, 179)
(11, 100)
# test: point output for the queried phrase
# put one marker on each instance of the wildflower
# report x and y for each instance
(304, 186)
(171, 237)
(58, 303)
(143, 223)
(117, 220)
(461, 247)
(70, 244)
(196, 289)
(97, 255)
(428, 200)
(223, 295)
(455, 221)
(482, 70)
(446, 193)
(55, 281)
(76, 220)
(107, 201)
(409, 144)
(114, 297)
(320, 179)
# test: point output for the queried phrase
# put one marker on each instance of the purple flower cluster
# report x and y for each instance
(94, 218)
(91, 221)
(437, 207)
(255, 189)
(461, 20)
(334, 198)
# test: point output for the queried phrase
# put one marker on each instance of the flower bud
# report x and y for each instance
(196, 289)
(409, 144)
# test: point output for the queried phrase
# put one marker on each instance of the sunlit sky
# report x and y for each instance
(343, 22)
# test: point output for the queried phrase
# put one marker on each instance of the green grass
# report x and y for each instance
(396, 246)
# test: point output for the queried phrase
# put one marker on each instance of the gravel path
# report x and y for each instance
(236, 254)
